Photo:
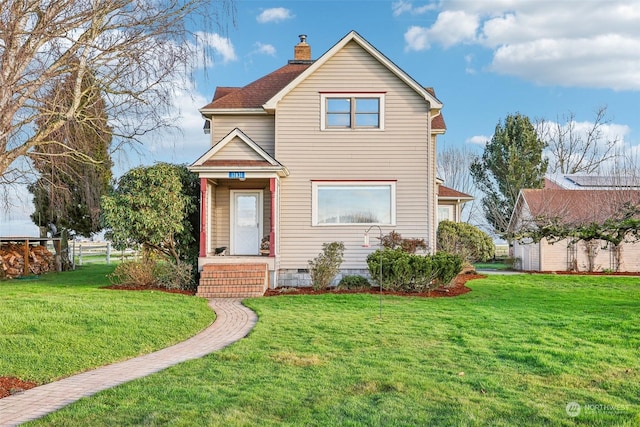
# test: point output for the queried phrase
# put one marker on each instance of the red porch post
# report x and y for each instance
(273, 185)
(203, 217)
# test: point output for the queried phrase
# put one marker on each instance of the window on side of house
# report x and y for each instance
(445, 212)
(348, 203)
(352, 111)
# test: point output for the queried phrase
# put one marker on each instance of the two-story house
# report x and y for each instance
(314, 152)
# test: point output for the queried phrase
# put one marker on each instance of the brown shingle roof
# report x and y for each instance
(255, 94)
(444, 191)
(578, 206)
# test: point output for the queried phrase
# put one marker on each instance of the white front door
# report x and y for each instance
(246, 222)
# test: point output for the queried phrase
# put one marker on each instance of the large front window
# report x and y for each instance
(352, 111)
(366, 202)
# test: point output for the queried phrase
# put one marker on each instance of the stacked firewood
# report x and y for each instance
(12, 260)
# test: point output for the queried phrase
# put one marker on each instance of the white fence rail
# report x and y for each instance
(98, 252)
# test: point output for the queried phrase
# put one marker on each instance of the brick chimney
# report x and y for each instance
(302, 51)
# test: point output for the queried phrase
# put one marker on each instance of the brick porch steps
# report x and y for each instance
(233, 280)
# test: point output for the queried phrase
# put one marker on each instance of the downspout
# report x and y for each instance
(433, 197)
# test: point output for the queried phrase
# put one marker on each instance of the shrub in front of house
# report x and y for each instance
(471, 243)
(448, 266)
(394, 240)
(151, 273)
(354, 282)
(406, 272)
(324, 268)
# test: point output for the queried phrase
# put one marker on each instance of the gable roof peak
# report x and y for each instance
(434, 103)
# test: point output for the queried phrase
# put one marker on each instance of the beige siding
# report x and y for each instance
(259, 127)
(630, 257)
(400, 152)
(237, 149)
(556, 257)
(528, 255)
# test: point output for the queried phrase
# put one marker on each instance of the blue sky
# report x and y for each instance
(486, 59)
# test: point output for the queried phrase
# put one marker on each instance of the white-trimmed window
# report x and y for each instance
(354, 202)
(342, 111)
(445, 213)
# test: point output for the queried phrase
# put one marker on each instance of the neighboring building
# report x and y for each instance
(594, 201)
(315, 152)
(450, 203)
(591, 182)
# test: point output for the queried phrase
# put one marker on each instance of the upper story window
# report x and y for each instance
(352, 111)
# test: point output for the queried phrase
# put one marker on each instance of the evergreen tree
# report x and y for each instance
(511, 161)
(68, 191)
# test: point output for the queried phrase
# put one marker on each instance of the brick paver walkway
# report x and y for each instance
(233, 322)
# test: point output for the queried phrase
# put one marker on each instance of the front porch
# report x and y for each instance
(239, 191)
(237, 237)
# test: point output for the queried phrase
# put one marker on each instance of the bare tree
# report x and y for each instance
(453, 168)
(573, 150)
(135, 50)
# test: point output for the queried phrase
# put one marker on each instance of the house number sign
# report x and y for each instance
(236, 175)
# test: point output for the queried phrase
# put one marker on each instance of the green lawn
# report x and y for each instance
(495, 265)
(63, 323)
(514, 351)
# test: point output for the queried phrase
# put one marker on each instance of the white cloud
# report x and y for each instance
(454, 27)
(400, 7)
(417, 38)
(469, 69)
(450, 28)
(607, 61)
(566, 43)
(265, 49)
(276, 14)
(478, 140)
(188, 141)
(221, 46)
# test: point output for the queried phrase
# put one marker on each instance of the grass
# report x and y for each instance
(63, 323)
(496, 265)
(514, 351)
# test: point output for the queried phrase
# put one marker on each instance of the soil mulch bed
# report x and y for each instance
(457, 288)
(11, 385)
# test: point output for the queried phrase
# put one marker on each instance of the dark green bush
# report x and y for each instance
(402, 271)
(471, 243)
(448, 266)
(354, 282)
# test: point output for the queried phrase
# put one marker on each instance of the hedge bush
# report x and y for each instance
(354, 282)
(405, 272)
(471, 243)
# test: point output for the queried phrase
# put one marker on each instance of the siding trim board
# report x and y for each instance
(236, 134)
